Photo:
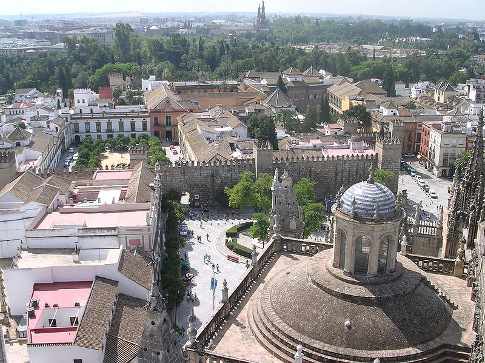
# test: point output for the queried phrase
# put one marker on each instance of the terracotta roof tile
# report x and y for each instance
(97, 314)
(137, 268)
(124, 340)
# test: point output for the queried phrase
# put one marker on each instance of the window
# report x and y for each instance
(98, 126)
(87, 127)
(78, 361)
(109, 126)
(362, 250)
(121, 126)
(52, 322)
(168, 120)
(74, 321)
(133, 125)
(155, 120)
(144, 126)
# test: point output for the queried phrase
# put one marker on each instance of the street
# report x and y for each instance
(416, 194)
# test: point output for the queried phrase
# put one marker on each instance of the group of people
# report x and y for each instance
(207, 261)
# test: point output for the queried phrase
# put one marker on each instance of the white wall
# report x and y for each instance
(63, 354)
(13, 223)
(18, 283)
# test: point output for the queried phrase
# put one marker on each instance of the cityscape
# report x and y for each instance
(272, 182)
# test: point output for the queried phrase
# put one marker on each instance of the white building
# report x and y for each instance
(447, 141)
(82, 306)
(475, 89)
(22, 203)
(128, 121)
(151, 84)
(420, 89)
(84, 100)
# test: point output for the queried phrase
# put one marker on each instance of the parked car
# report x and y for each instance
(71, 150)
(425, 187)
(433, 195)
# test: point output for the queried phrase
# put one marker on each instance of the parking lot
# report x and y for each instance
(417, 194)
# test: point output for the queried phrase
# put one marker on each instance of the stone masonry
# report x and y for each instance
(208, 180)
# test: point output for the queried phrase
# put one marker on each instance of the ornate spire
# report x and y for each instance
(370, 179)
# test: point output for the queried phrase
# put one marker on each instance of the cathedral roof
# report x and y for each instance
(369, 199)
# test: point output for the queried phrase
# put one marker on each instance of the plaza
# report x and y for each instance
(212, 231)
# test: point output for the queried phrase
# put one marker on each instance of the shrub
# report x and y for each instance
(237, 248)
(234, 230)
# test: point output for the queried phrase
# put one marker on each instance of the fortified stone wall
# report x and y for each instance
(208, 180)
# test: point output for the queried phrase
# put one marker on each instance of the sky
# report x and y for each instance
(466, 9)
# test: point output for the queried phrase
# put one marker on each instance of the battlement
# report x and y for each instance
(323, 158)
(217, 163)
(388, 140)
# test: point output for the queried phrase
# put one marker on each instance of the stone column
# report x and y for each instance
(373, 254)
(349, 254)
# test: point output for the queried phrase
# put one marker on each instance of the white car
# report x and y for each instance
(433, 195)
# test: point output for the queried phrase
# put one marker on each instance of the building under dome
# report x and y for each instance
(356, 301)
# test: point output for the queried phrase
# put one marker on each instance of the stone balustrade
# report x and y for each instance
(303, 247)
(436, 265)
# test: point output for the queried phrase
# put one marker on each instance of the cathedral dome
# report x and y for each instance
(369, 199)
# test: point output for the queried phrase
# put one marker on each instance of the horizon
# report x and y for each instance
(466, 10)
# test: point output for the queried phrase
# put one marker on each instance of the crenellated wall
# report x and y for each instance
(208, 180)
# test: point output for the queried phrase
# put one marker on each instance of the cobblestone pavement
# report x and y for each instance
(417, 194)
(215, 227)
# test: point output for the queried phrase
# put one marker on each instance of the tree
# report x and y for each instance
(240, 195)
(263, 129)
(122, 43)
(360, 113)
(324, 110)
(313, 216)
(259, 229)
(261, 193)
(305, 191)
(383, 176)
(281, 85)
(287, 119)
(389, 83)
(311, 119)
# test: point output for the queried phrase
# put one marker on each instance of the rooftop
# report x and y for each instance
(59, 307)
(97, 314)
(40, 258)
(95, 217)
(112, 174)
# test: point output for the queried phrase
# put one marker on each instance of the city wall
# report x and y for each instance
(208, 180)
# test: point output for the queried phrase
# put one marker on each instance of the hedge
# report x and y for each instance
(237, 248)
(234, 230)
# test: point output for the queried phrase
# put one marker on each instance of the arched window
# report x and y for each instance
(342, 241)
(362, 251)
(383, 254)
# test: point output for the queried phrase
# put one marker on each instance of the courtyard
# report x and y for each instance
(208, 259)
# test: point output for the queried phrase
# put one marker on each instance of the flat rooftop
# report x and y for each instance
(113, 174)
(95, 219)
(63, 257)
(59, 308)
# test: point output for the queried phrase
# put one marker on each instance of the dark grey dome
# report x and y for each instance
(369, 200)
